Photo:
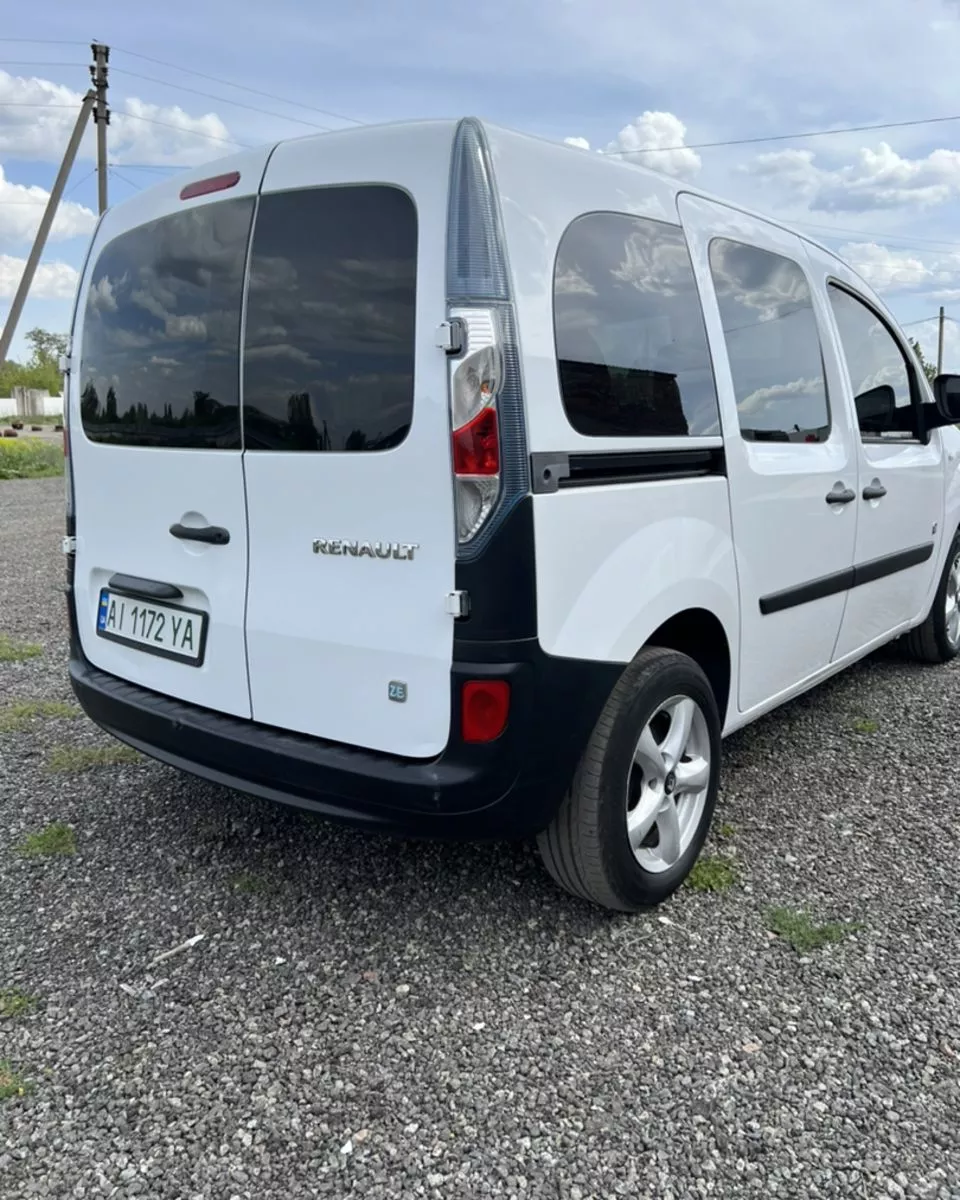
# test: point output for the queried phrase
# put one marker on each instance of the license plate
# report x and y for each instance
(164, 629)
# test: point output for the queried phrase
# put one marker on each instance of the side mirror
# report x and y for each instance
(946, 391)
(876, 408)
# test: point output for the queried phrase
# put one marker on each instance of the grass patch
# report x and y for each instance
(11, 651)
(14, 1003)
(12, 1085)
(30, 458)
(56, 839)
(865, 725)
(712, 873)
(73, 759)
(727, 831)
(803, 933)
(16, 716)
(251, 884)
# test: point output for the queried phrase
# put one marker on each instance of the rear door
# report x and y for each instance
(156, 444)
(346, 427)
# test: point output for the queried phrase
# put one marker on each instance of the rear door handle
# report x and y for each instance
(874, 491)
(841, 495)
(215, 534)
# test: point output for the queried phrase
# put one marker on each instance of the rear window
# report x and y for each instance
(330, 325)
(631, 343)
(161, 332)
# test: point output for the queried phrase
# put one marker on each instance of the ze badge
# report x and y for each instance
(397, 691)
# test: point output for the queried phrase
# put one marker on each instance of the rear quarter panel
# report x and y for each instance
(613, 563)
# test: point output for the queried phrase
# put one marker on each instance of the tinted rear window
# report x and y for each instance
(329, 353)
(631, 343)
(161, 332)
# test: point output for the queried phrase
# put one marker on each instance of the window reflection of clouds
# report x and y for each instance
(630, 336)
(873, 357)
(161, 330)
(773, 344)
(329, 356)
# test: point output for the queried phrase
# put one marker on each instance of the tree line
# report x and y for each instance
(42, 368)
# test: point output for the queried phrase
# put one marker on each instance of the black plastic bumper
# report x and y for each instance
(509, 788)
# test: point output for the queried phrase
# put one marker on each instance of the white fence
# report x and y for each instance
(29, 402)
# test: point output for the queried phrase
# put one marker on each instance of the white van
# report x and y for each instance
(451, 482)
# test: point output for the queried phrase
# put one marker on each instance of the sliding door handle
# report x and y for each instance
(841, 495)
(874, 491)
(216, 535)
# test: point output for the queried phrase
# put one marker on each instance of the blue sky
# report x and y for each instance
(615, 73)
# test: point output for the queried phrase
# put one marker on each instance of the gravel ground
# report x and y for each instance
(388, 1019)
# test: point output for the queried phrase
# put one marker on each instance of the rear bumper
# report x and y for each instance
(509, 788)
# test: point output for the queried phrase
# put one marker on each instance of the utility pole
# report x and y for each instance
(940, 345)
(46, 221)
(101, 117)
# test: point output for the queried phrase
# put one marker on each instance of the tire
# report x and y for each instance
(587, 847)
(937, 640)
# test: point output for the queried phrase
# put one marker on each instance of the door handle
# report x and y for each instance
(216, 535)
(841, 495)
(874, 491)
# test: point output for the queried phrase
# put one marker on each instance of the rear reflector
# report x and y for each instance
(216, 183)
(485, 706)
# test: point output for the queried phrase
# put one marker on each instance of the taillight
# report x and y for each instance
(488, 438)
(474, 386)
(484, 708)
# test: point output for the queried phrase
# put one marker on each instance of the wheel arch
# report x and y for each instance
(700, 635)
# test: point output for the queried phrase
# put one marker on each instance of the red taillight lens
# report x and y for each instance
(485, 706)
(476, 446)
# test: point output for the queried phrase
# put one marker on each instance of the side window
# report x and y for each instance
(329, 347)
(631, 344)
(883, 382)
(773, 344)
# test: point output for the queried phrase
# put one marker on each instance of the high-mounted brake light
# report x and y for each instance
(216, 183)
(488, 439)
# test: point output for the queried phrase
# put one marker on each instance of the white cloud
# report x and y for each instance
(760, 400)
(654, 139)
(21, 208)
(37, 117)
(876, 179)
(53, 280)
(886, 269)
(655, 131)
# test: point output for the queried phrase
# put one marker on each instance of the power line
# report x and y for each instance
(220, 99)
(844, 231)
(325, 112)
(155, 166)
(80, 182)
(38, 42)
(136, 186)
(211, 137)
(19, 63)
(31, 104)
(926, 320)
(784, 137)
